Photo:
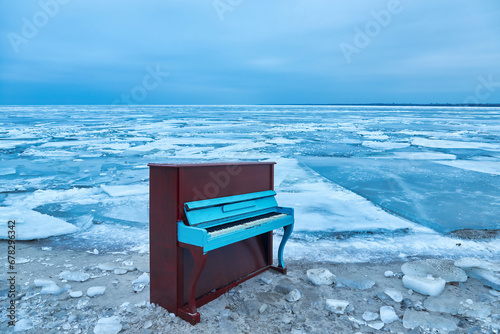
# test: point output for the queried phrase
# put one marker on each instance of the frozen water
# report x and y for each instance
(320, 276)
(486, 272)
(76, 294)
(369, 316)
(95, 291)
(74, 276)
(32, 225)
(388, 314)
(429, 286)
(111, 325)
(489, 278)
(86, 166)
(42, 282)
(141, 282)
(23, 325)
(336, 306)
(470, 262)
(413, 319)
(394, 294)
(357, 281)
(445, 269)
(376, 325)
(293, 295)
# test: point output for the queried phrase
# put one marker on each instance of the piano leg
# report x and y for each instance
(190, 313)
(287, 231)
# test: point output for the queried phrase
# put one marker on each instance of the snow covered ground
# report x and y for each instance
(80, 172)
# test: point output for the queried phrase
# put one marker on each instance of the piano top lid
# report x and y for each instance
(208, 164)
(206, 203)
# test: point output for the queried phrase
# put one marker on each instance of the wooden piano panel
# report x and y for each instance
(173, 185)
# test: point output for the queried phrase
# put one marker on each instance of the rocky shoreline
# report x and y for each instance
(64, 291)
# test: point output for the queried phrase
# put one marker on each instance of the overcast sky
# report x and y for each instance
(249, 52)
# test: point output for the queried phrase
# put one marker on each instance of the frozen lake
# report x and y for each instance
(424, 170)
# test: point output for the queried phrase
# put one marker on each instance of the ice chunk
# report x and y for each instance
(413, 319)
(377, 325)
(74, 276)
(487, 277)
(445, 303)
(76, 294)
(320, 276)
(120, 271)
(388, 273)
(424, 285)
(42, 282)
(141, 282)
(437, 268)
(357, 282)
(127, 190)
(32, 225)
(336, 306)
(472, 262)
(95, 291)
(388, 315)
(369, 316)
(23, 325)
(7, 171)
(108, 266)
(53, 289)
(293, 295)
(394, 294)
(109, 325)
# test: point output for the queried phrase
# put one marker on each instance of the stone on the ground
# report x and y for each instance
(395, 295)
(74, 276)
(320, 276)
(445, 269)
(429, 286)
(293, 295)
(336, 306)
(370, 316)
(141, 282)
(413, 319)
(388, 315)
(95, 291)
(357, 281)
(109, 325)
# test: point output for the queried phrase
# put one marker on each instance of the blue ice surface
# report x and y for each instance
(60, 148)
(443, 198)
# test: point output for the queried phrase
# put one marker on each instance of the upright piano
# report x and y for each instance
(210, 230)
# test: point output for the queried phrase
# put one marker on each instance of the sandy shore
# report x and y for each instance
(259, 305)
